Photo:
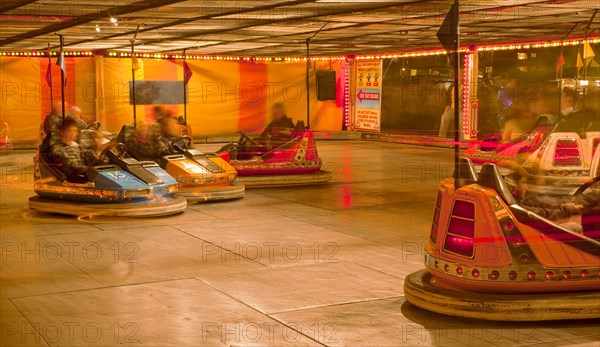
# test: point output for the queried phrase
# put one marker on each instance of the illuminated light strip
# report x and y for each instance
(466, 107)
(44, 54)
(221, 57)
(347, 95)
(407, 54)
(482, 48)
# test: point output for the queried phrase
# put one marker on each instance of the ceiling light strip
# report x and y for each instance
(405, 54)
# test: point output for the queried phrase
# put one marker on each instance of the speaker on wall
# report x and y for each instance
(326, 88)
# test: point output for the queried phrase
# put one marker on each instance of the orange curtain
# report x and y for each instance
(224, 97)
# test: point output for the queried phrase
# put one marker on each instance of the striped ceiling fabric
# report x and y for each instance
(280, 28)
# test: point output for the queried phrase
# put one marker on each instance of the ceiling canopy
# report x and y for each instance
(281, 28)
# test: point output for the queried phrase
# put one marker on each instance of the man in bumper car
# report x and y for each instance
(278, 131)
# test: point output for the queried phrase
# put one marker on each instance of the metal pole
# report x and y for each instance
(307, 77)
(184, 92)
(50, 79)
(133, 83)
(456, 100)
(560, 71)
(585, 65)
(62, 79)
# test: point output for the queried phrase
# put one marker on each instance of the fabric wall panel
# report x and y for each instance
(85, 87)
(213, 97)
(117, 109)
(327, 115)
(224, 97)
(20, 97)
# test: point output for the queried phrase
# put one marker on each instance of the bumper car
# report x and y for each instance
(499, 153)
(284, 162)
(558, 162)
(120, 187)
(489, 258)
(201, 176)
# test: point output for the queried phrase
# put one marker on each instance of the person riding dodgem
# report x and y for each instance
(280, 128)
(278, 131)
(147, 142)
(68, 153)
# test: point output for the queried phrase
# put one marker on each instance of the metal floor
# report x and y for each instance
(313, 265)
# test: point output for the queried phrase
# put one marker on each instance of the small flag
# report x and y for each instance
(61, 63)
(588, 52)
(448, 32)
(559, 63)
(135, 63)
(187, 72)
(49, 75)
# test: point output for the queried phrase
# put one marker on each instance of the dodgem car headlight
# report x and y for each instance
(172, 189)
(132, 193)
(203, 179)
(231, 177)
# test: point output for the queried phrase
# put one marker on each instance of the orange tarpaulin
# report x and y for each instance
(223, 96)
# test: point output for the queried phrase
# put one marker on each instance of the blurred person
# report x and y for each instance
(68, 153)
(568, 99)
(447, 127)
(517, 121)
(489, 127)
(281, 126)
(553, 207)
(544, 107)
(53, 122)
(159, 112)
(574, 117)
(147, 143)
(170, 127)
(75, 113)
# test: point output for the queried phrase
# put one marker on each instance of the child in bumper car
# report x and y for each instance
(565, 211)
(67, 152)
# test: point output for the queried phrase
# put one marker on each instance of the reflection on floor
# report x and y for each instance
(320, 265)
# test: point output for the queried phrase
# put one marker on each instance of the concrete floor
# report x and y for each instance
(320, 265)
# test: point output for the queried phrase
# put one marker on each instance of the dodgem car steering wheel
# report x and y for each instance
(179, 144)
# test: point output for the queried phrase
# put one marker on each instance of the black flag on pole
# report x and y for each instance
(448, 32)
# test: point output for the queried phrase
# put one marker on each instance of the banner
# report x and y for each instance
(367, 115)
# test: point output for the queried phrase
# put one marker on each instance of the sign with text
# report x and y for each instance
(367, 114)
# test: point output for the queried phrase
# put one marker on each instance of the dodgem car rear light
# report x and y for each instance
(567, 153)
(461, 229)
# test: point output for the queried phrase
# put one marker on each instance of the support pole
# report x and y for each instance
(184, 92)
(62, 79)
(50, 77)
(133, 82)
(456, 68)
(307, 78)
